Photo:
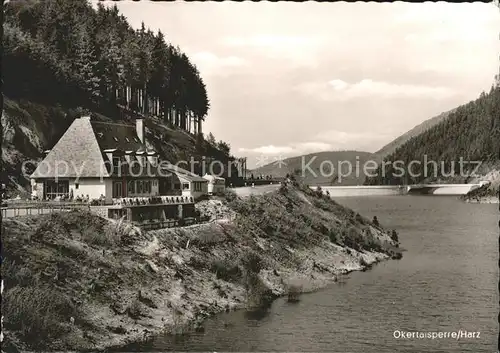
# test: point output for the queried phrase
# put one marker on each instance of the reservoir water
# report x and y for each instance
(446, 281)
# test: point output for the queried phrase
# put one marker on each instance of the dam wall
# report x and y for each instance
(388, 190)
(442, 189)
(363, 190)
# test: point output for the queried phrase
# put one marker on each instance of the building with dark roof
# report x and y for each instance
(109, 162)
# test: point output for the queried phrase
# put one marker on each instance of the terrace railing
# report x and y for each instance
(154, 200)
(17, 208)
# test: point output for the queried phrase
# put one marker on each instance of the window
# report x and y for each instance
(185, 186)
(116, 165)
(147, 187)
(115, 138)
(117, 189)
(131, 187)
(139, 187)
(126, 139)
(77, 185)
(53, 189)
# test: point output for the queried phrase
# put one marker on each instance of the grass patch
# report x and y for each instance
(40, 314)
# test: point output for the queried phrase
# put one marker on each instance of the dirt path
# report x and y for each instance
(257, 190)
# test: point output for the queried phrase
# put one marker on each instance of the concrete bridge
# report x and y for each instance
(444, 189)
(416, 189)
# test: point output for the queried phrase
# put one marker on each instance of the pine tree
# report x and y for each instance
(84, 65)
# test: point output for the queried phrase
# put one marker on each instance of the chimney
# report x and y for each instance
(139, 127)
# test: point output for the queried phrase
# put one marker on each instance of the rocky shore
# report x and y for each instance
(483, 199)
(114, 285)
(489, 193)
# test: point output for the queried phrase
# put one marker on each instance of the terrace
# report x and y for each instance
(152, 201)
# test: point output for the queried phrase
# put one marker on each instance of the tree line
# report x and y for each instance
(68, 53)
(470, 133)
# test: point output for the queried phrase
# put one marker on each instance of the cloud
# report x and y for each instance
(297, 50)
(273, 41)
(270, 149)
(293, 149)
(446, 13)
(340, 90)
(360, 140)
(210, 63)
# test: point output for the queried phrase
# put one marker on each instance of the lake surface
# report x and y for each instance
(446, 281)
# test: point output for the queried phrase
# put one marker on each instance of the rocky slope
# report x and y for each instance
(110, 284)
(489, 194)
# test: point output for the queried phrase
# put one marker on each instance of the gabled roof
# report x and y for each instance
(183, 173)
(83, 148)
(77, 153)
(117, 136)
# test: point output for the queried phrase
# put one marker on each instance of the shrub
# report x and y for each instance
(197, 264)
(15, 274)
(332, 236)
(38, 313)
(394, 236)
(108, 237)
(319, 191)
(252, 262)
(353, 239)
(136, 309)
(230, 195)
(208, 238)
(259, 296)
(359, 218)
(226, 271)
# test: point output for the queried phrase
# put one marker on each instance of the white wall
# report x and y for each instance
(191, 191)
(195, 194)
(93, 187)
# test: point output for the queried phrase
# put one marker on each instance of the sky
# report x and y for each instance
(286, 79)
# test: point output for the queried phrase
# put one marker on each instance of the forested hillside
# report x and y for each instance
(471, 132)
(417, 130)
(65, 52)
(64, 58)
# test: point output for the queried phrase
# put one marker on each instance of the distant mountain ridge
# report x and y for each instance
(309, 167)
(392, 146)
(454, 145)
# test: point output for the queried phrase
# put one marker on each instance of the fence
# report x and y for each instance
(28, 208)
